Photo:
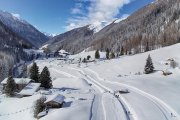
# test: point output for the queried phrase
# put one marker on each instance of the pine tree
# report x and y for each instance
(97, 55)
(122, 51)
(107, 53)
(88, 57)
(84, 60)
(112, 55)
(10, 87)
(45, 78)
(149, 68)
(34, 72)
(147, 47)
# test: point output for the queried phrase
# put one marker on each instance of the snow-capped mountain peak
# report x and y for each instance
(23, 28)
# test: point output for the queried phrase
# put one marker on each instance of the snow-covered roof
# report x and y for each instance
(63, 51)
(18, 80)
(56, 98)
(30, 89)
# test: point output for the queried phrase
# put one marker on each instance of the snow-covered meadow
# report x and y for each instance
(89, 89)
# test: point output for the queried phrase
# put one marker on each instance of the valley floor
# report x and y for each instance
(90, 90)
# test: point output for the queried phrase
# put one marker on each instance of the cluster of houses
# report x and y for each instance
(60, 54)
(26, 87)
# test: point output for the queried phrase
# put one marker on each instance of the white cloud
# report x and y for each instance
(76, 11)
(99, 12)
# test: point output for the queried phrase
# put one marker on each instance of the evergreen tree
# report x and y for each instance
(122, 51)
(112, 55)
(97, 55)
(84, 60)
(107, 53)
(10, 72)
(34, 72)
(10, 87)
(88, 57)
(149, 68)
(45, 78)
(147, 47)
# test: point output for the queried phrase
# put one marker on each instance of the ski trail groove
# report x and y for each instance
(165, 108)
(124, 104)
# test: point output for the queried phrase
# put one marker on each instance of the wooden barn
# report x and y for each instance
(55, 101)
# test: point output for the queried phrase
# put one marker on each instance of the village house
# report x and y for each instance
(63, 53)
(20, 83)
(30, 89)
(54, 101)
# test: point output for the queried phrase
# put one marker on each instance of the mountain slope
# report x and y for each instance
(74, 40)
(155, 25)
(9, 39)
(23, 29)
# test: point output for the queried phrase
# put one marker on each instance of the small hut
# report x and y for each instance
(55, 101)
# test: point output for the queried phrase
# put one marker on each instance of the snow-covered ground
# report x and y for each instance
(90, 89)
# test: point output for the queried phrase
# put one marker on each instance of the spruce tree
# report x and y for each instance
(149, 68)
(122, 51)
(112, 55)
(88, 57)
(10, 87)
(45, 78)
(147, 47)
(107, 53)
(84, 60)
(34, 72)
(97, 55)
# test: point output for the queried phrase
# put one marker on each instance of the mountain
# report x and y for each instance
(23, 29)
(9, 39)
(155, 25)
(74, 40)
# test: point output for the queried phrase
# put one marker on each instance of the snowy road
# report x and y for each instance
(140, 101)
(137, 105)
(113, 108)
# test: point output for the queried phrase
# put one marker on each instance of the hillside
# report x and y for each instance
(23, 29)
(74, 40)
(90, 89)
(155, 25)
(11, 50)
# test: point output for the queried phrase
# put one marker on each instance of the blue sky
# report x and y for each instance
(57, 16)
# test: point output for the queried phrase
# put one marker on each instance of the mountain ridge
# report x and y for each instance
(151, 24)
(23, 29)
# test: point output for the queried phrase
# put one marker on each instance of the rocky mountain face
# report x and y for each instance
(23, 29)
(153, 26)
